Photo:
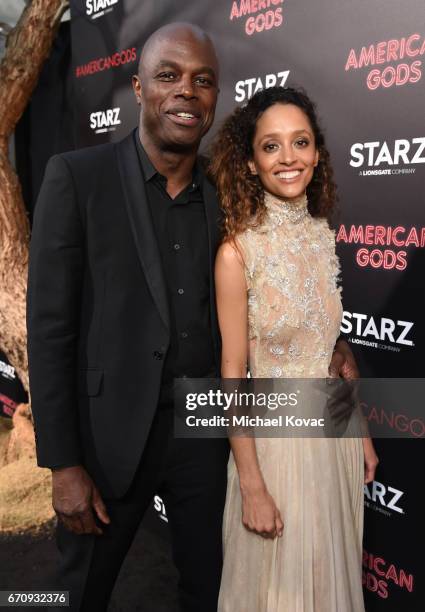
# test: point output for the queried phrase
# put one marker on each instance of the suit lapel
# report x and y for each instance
(213, 216)
(212, 212)
(141, 223)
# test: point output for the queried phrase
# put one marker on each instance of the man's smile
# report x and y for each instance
(180, 116)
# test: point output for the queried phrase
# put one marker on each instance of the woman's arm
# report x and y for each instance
(259, 512)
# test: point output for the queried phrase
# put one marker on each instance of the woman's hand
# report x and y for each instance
(260, 513)
(370, 460)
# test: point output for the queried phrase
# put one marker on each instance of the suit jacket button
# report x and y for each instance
(158, 355)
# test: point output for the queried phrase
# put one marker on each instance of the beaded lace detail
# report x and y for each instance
(280, 211)
(294, 304)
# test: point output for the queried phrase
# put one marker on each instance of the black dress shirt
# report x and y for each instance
(181, 230)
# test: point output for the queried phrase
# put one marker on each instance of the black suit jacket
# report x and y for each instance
(97, 313)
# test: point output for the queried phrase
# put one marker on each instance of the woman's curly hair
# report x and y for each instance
(241, 193)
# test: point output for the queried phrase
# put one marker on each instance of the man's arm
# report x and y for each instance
(343, 364)
(53, 303)
(53, 307)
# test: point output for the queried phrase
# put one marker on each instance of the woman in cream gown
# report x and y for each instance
(293, 520)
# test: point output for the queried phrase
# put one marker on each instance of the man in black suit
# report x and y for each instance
(120, 302)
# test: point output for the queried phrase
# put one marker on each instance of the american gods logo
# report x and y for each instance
(400, 423)
(383, 577)
(382, 246)
(100, 64)
(389, 63)
(257, 15)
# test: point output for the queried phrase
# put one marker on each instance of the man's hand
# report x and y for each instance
(74, 497)
(370, 460)
(343, 363)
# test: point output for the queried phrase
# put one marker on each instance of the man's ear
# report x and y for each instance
(137, 88)
(251, 166)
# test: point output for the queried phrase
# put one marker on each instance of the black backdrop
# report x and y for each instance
(362, 62)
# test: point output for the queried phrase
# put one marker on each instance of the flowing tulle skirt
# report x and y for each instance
(316, 565)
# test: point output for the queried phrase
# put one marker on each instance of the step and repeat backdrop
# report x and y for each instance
(363, 63)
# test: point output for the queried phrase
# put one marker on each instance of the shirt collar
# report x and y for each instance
(149, 170)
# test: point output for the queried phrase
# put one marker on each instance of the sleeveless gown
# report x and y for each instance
(294, 313)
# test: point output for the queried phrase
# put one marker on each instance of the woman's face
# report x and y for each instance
(285, 153)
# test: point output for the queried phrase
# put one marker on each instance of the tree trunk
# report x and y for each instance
(25, 500)
(28, 46)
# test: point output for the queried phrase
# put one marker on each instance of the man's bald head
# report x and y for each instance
(176, 33)
(176, 87)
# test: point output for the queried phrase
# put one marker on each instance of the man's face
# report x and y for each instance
(177, 89)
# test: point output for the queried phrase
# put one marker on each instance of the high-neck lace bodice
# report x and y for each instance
(281, 211)
(294, 305)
